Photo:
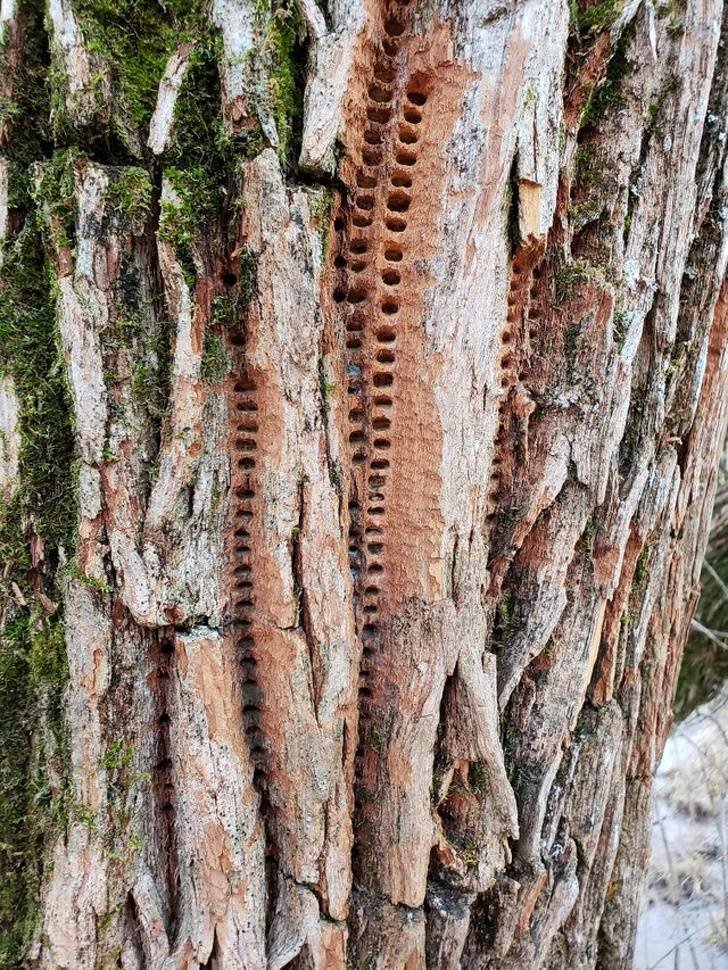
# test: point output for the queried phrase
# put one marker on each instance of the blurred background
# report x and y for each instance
(684, 918)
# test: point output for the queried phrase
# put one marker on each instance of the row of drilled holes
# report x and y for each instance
(521, 280)
(398, 201)
(244, 491)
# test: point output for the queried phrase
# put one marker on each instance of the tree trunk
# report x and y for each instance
(363, 385)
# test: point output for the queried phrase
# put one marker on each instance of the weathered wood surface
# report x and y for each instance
(394, 469)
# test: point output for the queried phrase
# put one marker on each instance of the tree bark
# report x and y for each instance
(363, 387)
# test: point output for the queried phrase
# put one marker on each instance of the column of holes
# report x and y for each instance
(244, 493)
(391, 262)
(366, 382)
(374, 264)
(521, 294)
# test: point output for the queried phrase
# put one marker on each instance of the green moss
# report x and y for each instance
(322, 204)
(201, 138)
(504, 609)
(582, 213)
(129, 198)
(607, 96)
(592, 18)
(118, 756)
(641, 571)
(92, 582)
(148, 385)
(286, 75)
(32, 675)
(326, 387)
(215, 361)
(620, 327)
(477, 777)
(32, 649)
(376, 741)
(585, 169)
(675, 15)
(54, 195)
(590, 530)
(569, 276)
(135, 38)
(229, 310)
(28, 107)
(180, 220)
(29, 353)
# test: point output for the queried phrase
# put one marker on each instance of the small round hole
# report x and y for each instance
(379, 115)
(372, 156)
(380, 94)
(229, 279)
(390, 307)
(408, 137)
(383, 380)
(413, 116)
(384, 74)
(365, 181)
(393, 255)
(395, 225)
(398, 202)
(395, 28)
(406, 158)
(416, 97)
(385, 357)
(401, 181)
(391, 277)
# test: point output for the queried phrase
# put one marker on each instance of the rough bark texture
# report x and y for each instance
(363, 386)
